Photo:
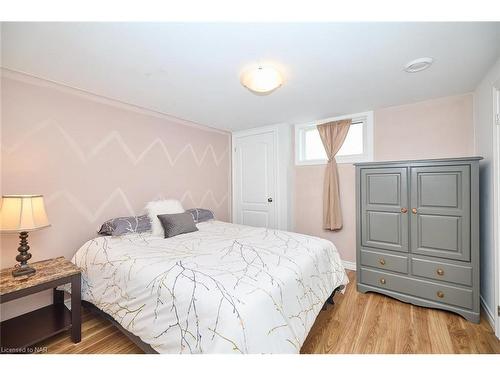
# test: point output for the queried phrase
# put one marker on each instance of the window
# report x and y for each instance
(357, 147)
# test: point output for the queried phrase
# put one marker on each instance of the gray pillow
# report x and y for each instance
(174, 224)
(123, 225)
(201, 214)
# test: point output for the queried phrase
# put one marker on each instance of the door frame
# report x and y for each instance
(496, 202)
(283, 178)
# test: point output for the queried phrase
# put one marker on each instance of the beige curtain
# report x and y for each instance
(332, 135)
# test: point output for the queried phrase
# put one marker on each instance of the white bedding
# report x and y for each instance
(224, 289)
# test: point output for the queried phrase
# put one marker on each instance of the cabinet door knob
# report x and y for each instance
(414, 210)
(269, 200)
(440, 271)
(440, 294)
(404, 210)
(382, 261)
(382, 281)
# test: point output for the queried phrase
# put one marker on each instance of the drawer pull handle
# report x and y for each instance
(382, 261)
(382, 281)
(440, 294)
(414, 210)
(404, 210)
(440, 271)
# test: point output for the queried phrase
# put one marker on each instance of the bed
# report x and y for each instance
(225, 288)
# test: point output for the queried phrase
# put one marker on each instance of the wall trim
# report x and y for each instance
(487, 313)
(68, 89)
(349, 265)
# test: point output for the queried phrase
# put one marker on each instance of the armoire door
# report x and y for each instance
(440, 211)
(384, 205)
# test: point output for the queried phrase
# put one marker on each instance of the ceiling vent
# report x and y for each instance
(418, 65)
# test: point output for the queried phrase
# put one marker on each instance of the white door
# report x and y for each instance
(255, 171)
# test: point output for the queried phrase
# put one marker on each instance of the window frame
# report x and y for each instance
(367, 155)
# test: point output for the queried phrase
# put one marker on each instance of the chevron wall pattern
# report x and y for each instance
(94, 159)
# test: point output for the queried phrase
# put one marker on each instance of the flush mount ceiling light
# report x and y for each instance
(262, 80)
(418, 65)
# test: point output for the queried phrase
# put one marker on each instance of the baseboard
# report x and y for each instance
(349, 265)
(488, 313)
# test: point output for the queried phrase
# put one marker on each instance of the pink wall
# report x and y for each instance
(93, 159)
(432, 129)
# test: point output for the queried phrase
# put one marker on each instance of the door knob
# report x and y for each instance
(269, 200)
(404, 210)
(414, 210)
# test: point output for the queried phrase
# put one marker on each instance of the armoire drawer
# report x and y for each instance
(429, 290)
(442, 271)
(396, 263)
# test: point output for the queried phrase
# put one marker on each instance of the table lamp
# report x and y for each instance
(22, 214)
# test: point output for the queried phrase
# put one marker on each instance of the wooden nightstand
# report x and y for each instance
(24, 331)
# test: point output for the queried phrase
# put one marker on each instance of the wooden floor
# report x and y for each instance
(358, 323)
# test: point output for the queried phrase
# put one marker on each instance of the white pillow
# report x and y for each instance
(160, 207)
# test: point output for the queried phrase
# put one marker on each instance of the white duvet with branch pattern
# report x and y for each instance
(226, 288)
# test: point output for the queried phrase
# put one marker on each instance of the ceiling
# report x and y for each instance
(192, 70)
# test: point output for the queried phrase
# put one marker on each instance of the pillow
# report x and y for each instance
(127, 224)
(174, 224)
(201, 214)
(155, 208)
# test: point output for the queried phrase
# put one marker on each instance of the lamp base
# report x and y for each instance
(23, 271)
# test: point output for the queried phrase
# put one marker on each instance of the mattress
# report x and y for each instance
(225, 288)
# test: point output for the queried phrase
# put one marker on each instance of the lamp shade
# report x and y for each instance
(262, 80)
(22, 213)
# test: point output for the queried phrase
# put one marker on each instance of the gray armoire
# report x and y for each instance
(418, 232)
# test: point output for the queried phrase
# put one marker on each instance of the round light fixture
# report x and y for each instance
(262, 80)
(418, 65)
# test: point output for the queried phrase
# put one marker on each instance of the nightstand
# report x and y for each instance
(22, 332)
